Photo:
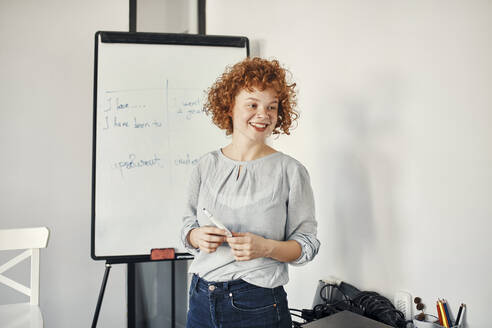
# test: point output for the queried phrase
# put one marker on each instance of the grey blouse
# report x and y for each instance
(270, 196)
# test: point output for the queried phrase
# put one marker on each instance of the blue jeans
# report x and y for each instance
(236, 304)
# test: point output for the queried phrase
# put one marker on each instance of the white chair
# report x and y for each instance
(23, 314)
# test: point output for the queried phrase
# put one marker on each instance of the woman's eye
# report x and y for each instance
(272, 107)
(252, 106)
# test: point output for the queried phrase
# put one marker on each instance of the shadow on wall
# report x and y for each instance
(256, 47)
(364, 181)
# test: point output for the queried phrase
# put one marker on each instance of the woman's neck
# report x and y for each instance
(246, 151)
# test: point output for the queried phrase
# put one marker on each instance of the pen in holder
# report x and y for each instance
(423, 320)
(430, 321)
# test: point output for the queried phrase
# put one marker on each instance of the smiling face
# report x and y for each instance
(254, 114)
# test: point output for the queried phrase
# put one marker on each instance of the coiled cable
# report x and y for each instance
(379, 308)
(367, 303)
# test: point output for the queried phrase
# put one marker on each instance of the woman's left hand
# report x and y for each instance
(247, 246)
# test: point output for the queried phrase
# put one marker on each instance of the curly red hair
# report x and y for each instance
(248, 74)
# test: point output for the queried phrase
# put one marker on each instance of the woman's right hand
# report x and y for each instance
(207, 238)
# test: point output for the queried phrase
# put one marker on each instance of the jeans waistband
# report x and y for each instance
(224, 286)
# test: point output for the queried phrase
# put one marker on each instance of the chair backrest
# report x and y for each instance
(30, 239)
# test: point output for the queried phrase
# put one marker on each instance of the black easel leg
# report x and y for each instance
(101, 295)
(131, 301)
(173, 294)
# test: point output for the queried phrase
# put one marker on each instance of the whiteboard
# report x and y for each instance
(149, 131)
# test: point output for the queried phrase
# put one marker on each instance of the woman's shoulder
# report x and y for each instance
(208, 160)
(210, 156)
(293, 169)
(291, 163)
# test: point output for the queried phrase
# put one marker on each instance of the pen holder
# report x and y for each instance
(431, 321)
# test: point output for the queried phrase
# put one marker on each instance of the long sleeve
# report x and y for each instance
(190, 217)
(301, 224)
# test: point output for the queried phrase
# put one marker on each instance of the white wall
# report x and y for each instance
(168, 16)
(46, 83)
(395, 131)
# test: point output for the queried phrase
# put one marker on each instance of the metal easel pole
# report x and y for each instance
(173, 294)
(101, 295)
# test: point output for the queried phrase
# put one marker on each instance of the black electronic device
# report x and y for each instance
(345, 319)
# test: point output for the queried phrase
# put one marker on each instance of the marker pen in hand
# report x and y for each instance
(216, 222)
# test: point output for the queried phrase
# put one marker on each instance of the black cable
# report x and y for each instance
(296, 315)
(336, 287)
(327, 308)
(369, 304)
(295, 323)
(349, 302)
(379, 308)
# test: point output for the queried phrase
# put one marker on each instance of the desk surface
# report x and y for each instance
(346, 319)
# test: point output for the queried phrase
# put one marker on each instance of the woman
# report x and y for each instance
(260, 194)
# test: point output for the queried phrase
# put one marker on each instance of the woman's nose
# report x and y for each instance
(261, 112)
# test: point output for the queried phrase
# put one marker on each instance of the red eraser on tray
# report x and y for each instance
(162, 254)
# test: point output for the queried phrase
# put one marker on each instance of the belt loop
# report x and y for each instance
(197, 280)
(226, 285)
